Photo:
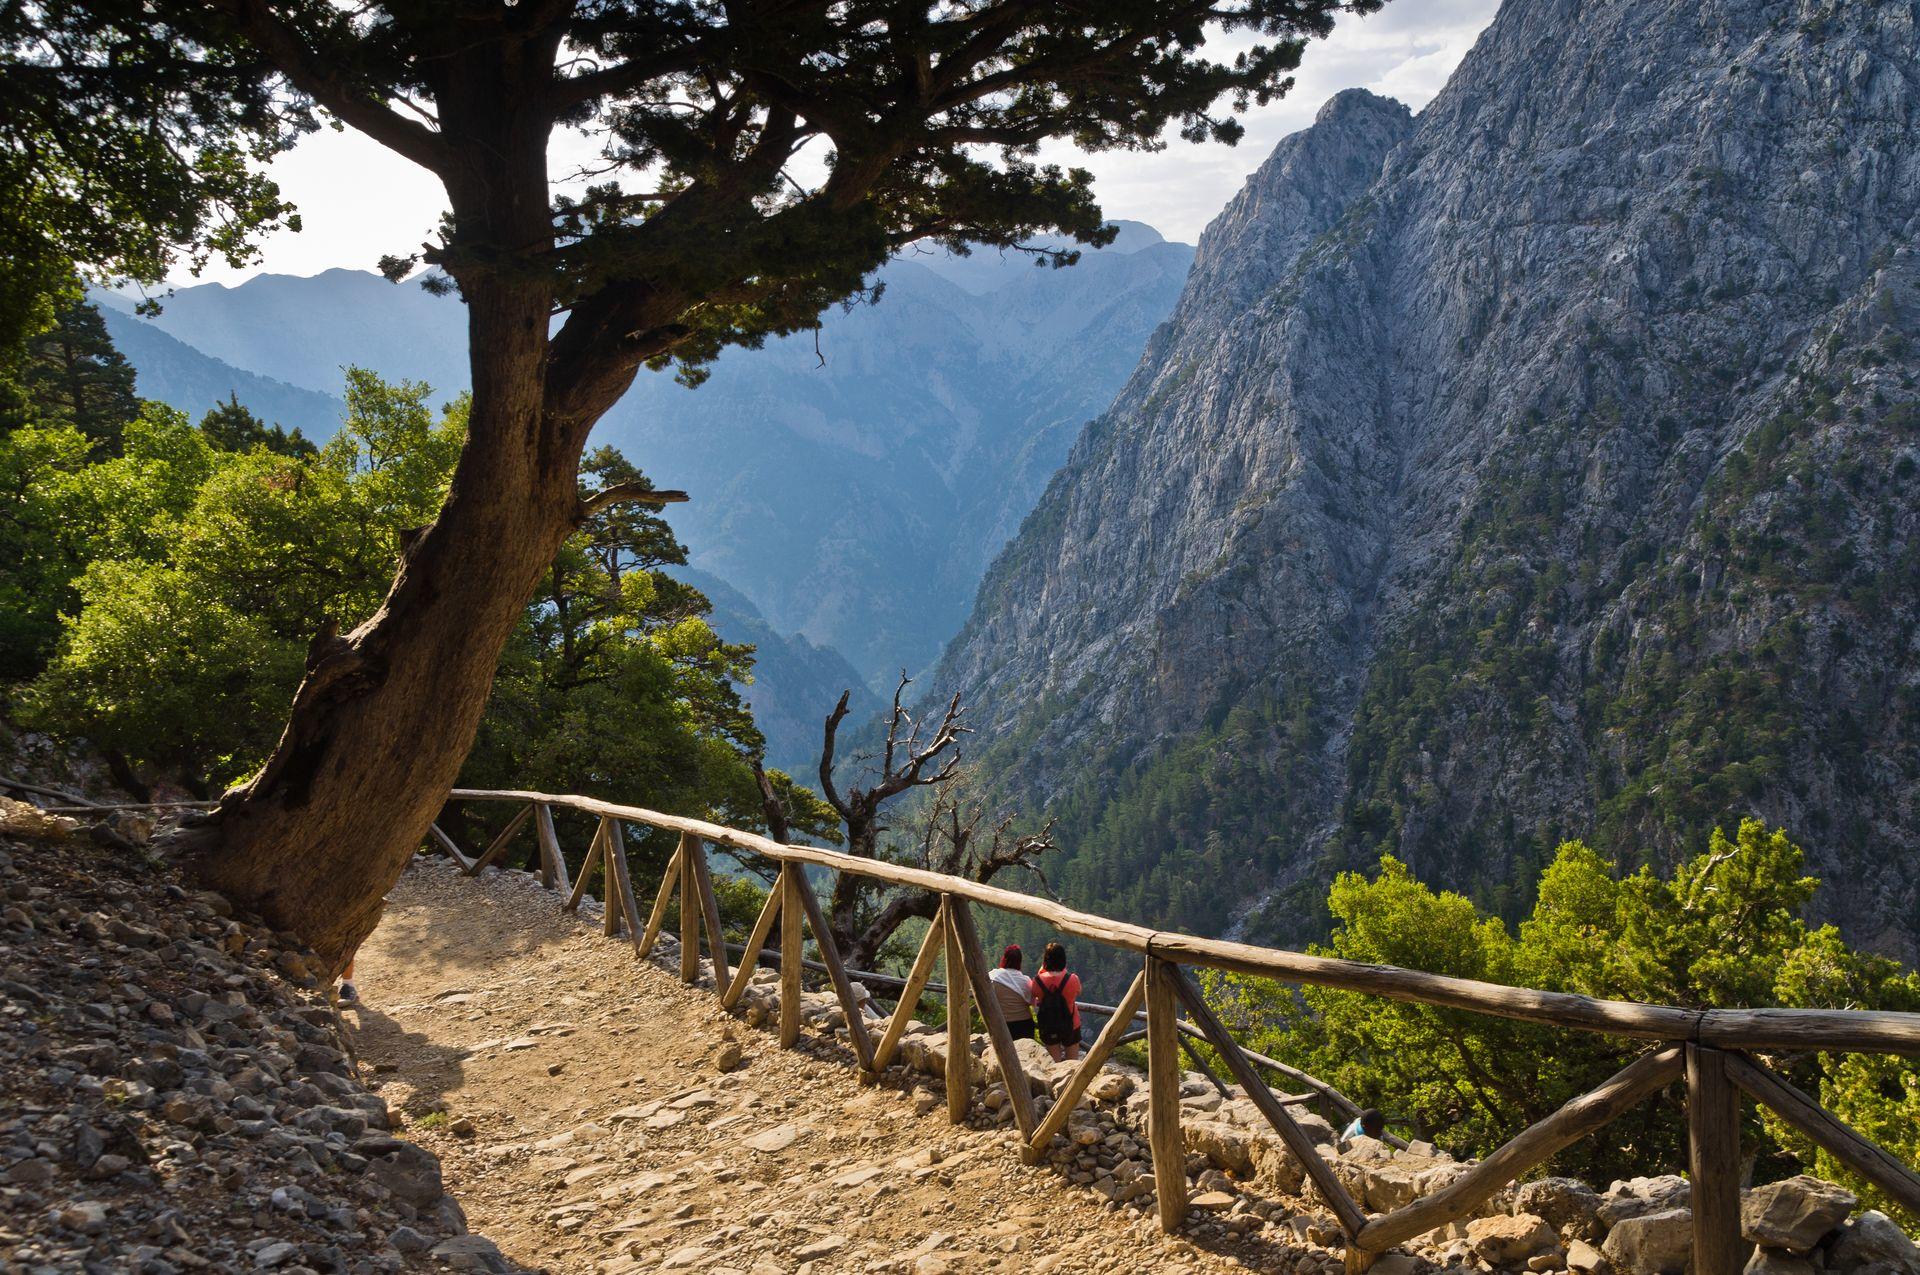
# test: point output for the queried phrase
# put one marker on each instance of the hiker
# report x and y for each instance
(1013, 991)
(1370, 1123)
(1056, 997)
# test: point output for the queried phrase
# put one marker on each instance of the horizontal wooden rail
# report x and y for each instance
(1763, 1029)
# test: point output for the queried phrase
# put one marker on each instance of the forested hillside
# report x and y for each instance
(1538, 467)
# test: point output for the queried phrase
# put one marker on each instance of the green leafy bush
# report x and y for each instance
(1723, 930)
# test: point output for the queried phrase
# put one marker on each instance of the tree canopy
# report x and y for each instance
(755, 164)
(128, 145)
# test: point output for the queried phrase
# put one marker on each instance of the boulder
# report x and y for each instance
(1392, 1185)
(1228, 1146)
(1041, 1071)
(471, 1253)
(1510, 1241)
(1365, 1150)
(1651, 1243)
(1795, 1213)
(1873, 1245)
(1315, 1127)
(1111, 1085)
(411, 1173)
(1570, 1206)
(1637, 1197)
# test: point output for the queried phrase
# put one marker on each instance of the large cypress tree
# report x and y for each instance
(759, 160)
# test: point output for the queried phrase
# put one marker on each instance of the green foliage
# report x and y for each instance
(36, 566)
(124, 147)
(164, 670)
(72, 375)
(1723, 930)
(200, 574)
(232, 428)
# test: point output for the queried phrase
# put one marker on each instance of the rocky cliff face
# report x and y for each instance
(1543, 466)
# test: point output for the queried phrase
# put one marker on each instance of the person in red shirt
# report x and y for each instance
(1056, 1001)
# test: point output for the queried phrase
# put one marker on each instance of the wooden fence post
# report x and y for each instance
(615, 861)
(960, 917)
(793, 915)
(710, 916)
(931, 948)
(749, 959)
(586, 870)
(959, 1024)
(689, 910)
(553, 864)
(499, 842)
(611, 909)
(1713, 1158)
(669, 882)
(1163, 1097)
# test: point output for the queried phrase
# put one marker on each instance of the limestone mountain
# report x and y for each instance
(1543, 465)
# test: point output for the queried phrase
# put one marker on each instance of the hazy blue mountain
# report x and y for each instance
(177, 374)
(795, 683)
(854, 491)
(304, 330)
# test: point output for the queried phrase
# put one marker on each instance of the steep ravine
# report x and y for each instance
(1538, 467)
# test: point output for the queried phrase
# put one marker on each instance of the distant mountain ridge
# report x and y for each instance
(852, 503)
(855, 501)
(175, 373)
(1542, 466)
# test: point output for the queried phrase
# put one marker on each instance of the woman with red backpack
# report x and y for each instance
(1056, 997)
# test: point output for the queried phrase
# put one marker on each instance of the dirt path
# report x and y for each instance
(587, 1127)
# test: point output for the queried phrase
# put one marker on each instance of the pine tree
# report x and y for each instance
(230, 427)
(74, 376)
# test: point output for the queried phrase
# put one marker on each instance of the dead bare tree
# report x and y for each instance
(957, 837)
(954, 834)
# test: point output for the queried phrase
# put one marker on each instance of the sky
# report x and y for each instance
(359, 201)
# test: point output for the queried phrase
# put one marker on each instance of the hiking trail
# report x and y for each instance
(578, 1102)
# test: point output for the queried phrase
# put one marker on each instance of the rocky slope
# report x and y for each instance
(174, 1096)
(1542, 466)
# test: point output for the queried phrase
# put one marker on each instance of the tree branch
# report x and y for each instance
(313, 75)
(633, 493)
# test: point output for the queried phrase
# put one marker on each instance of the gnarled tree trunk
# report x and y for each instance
(386, 714)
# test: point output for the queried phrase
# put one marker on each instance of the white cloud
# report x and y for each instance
(359, 201)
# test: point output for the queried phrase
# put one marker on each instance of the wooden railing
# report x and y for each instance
(1706, 1048)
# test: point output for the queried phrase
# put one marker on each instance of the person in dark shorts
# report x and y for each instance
(1013, 992)
(1056, 1003)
